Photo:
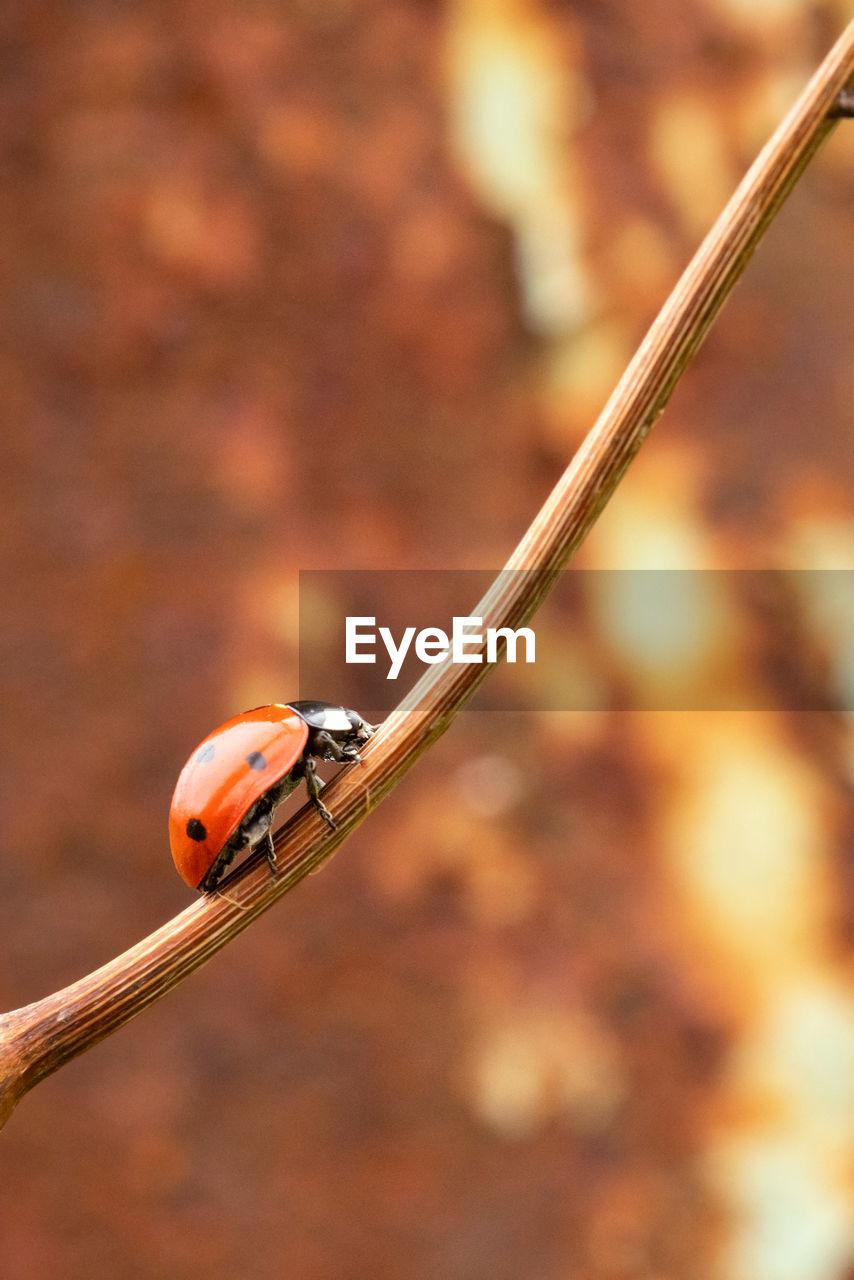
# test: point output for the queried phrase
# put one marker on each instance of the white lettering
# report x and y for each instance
(461, 639)
(354, 638)
(431, 644)
(397, 653)
(494, 634)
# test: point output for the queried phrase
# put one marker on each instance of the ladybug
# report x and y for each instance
(230, 786)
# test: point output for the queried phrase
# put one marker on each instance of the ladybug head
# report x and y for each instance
(360, 732)
(335, 733)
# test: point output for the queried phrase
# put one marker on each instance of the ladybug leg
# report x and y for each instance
(259, 835)
(269, 851)
(843, 106)
(313, 785)
(325, 747)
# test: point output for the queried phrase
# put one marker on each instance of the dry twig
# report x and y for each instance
(36, 1040)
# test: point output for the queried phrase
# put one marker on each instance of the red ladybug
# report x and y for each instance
(231, 784)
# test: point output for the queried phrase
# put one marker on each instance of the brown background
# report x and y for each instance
(261, 312)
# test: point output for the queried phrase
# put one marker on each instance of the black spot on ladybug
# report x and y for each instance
(207, 753)
(256, 760)
(196, 830)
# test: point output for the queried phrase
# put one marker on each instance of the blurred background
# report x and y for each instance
(339, 285)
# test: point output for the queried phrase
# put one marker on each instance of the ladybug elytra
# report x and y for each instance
(228, 789)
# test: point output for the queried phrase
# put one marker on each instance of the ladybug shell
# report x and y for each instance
(232, 768)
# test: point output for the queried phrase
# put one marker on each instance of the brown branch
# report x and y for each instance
(34, 1041)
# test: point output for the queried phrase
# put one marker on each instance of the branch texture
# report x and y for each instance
(36, 1040)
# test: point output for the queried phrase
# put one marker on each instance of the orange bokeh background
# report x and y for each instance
(338, 285)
